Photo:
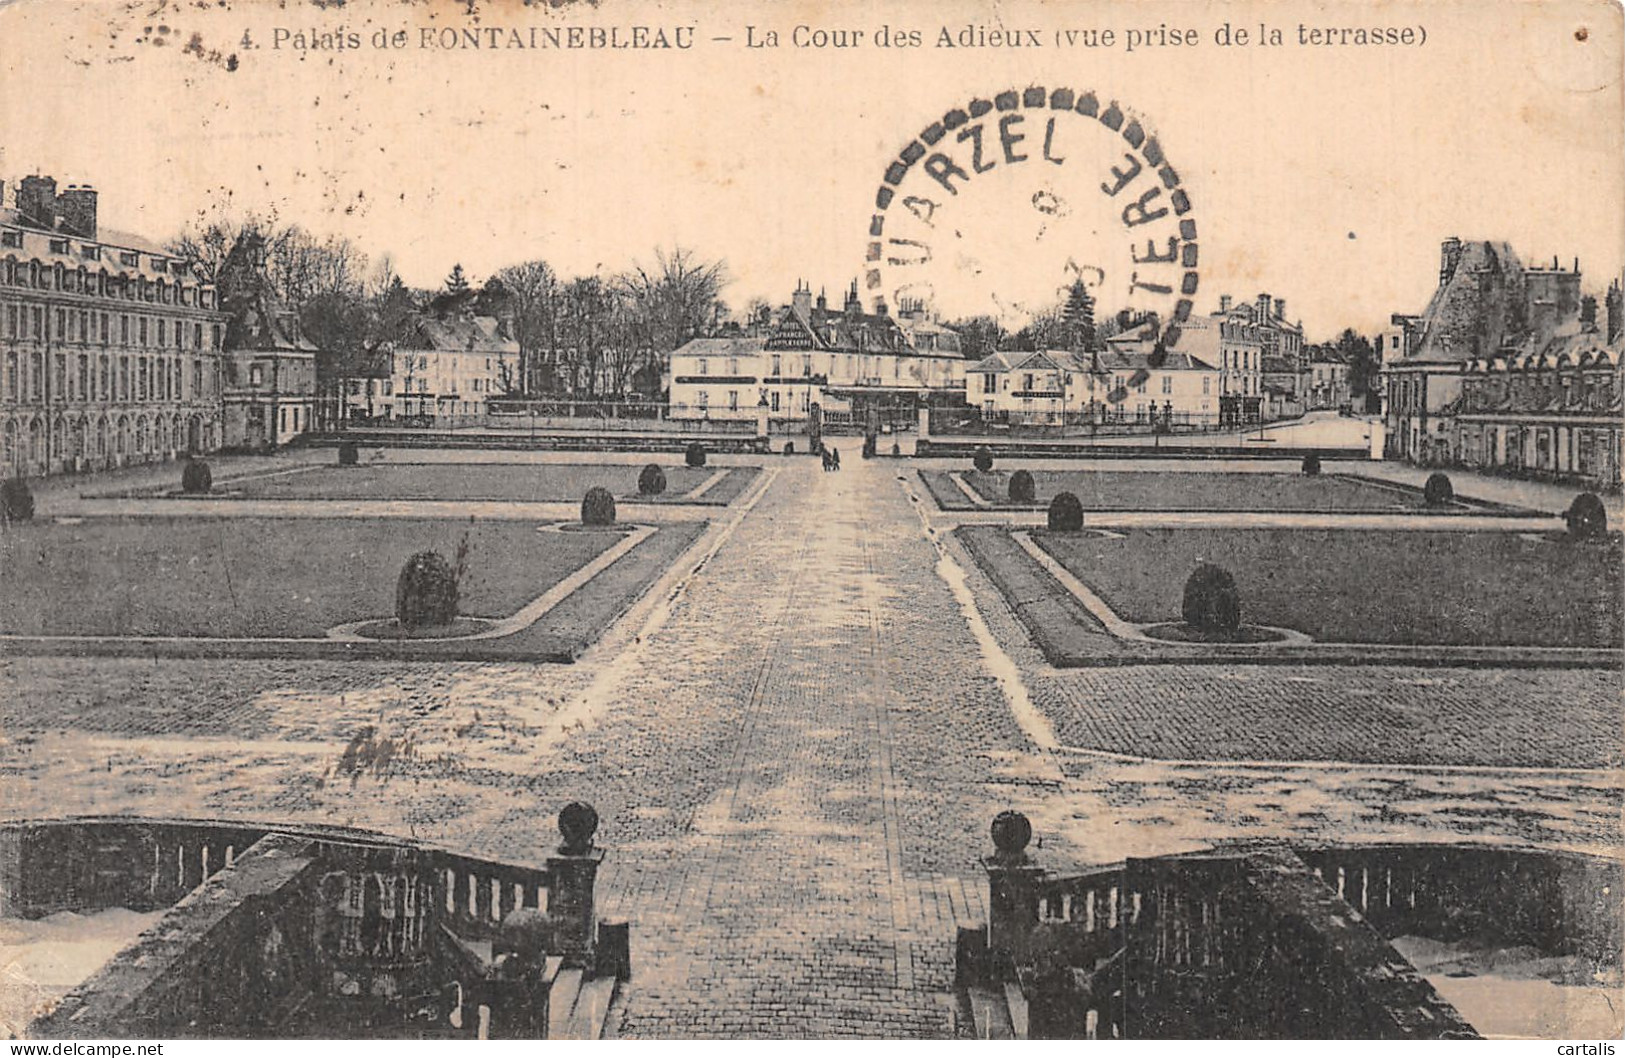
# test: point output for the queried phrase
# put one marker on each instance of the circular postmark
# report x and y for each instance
(1001, 205)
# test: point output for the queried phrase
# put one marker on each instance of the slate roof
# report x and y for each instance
(463, 334)
(1131, 356)
(740, 347)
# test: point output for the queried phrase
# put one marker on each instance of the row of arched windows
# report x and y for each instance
(101, 439)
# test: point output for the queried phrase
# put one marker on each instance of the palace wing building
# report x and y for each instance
(1508, 369)
(111, 345)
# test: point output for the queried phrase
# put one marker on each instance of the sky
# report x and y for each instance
(1324, 175)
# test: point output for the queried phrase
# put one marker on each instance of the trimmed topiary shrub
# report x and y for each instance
(652, 481)
(694, 456)
(1586, 517)
(982, 460)
(1212, 605)
(426, 593)
(1438, 491)
(789, 448)
(896, 449)
(1065, 513)
(197, 477)
(868, 448)
(598, 507)
(1022, 489)
(1311, 464)
(16, 500)
(349, 454)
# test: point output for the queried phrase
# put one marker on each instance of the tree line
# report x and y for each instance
(603, 337)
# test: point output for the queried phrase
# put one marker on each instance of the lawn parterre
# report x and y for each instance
(1367, 586)
(1169, 490)
(248, 578)
(480, 482)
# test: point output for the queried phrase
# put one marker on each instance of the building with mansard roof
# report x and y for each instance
(110, 346)
(839, 365)
(450, 365)
(1128, 378)
(1489, 307)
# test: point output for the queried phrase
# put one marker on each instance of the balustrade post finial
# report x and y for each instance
(573, 871)
(1011, 832)
(1012, 887)
(578, 822)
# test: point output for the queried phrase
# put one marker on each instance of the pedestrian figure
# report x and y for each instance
(835, 459)
(824, 455)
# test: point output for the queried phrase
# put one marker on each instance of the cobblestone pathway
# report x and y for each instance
(795, 763)
(816, 892)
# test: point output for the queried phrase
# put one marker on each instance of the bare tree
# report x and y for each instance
(537, 302)
(667, 305)
(677, 298)
(208, 240)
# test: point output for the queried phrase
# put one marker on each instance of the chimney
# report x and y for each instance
(1614, 311)
(801, 300)
(1263, 313)
(1280, 308)
(1449, 257)
(880, 307)
(77, 206)
(1224, 302)
(823, 302)
(853, 306)
(36, 201)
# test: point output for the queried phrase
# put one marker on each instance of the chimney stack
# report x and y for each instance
(1449, 257)
(1263, 309)
(880, 307)
(77, 206)
(801, 300)
(1280, 307)
(1224, 302)
(823, 302)
(1614, 311)
(36, 201)
(853, 306)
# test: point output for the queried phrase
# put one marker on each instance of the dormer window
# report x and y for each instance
(127, 257)
(91, 253)
(12, 239)
(59, 246)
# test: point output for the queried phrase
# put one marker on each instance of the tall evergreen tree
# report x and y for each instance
(1078, 315)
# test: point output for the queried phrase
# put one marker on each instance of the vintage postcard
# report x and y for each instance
(890, 520)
